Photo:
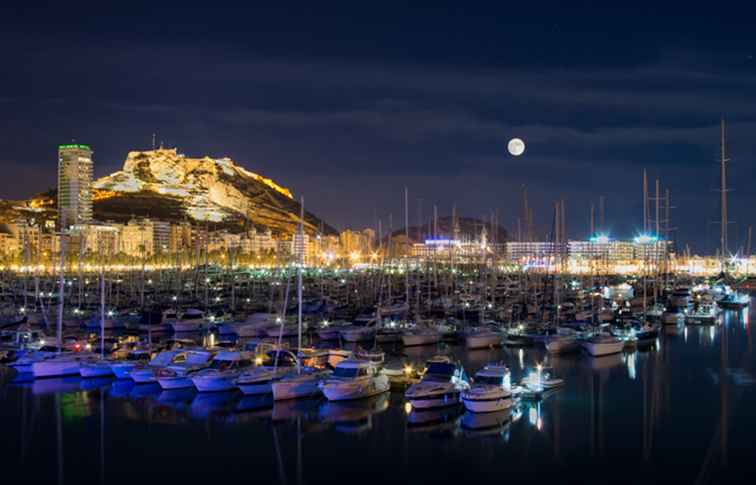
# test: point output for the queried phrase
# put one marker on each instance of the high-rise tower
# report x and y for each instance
(74, 184)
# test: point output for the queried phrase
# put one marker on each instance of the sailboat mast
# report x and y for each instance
(299, 278)
(645, 202)
(62, 280)
(406, 234)
(723, 195)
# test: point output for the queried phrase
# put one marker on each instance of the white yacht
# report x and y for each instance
(603, 344)
(222, 373)
(440, 386)
(491, 390)
(177, 375)
(23, 364)
(192, 320)
(66, 364)
(703, 313)
(355, 379)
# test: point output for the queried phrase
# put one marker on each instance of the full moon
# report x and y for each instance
(516, 147)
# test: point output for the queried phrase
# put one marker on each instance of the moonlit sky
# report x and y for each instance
(346, 103)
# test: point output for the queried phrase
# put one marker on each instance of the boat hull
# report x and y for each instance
(482, 341)
(417, 340)
(56, 368)
(122, 371)
(352, 391)
(435, 401)
(213, 384)
(295, 389)
(95, 370)
(143, 376)
(169, 383)
(599, 349)
(487, 405)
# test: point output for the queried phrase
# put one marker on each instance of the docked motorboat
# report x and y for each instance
(441, 385)
(734, 300)
(354, 379)
(222, 373)
(66, 364)
(23, 364)
(491, 390)
(177, 375)
(702, 313)
(537, 382)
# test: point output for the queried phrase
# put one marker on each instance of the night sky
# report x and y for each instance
(347, 103)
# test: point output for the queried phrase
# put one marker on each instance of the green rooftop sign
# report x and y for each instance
(74, 147)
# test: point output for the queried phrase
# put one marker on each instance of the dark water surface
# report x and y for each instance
(684, 410)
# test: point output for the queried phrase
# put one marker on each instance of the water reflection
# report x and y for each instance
(434, 419)
(633, 406)
(353, 416)
(487, 424)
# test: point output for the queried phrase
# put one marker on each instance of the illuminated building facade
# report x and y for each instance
(600, 248)
(180, 237)
(138, 238)
(74, 184)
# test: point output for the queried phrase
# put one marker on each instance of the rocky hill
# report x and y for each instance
(164, 184)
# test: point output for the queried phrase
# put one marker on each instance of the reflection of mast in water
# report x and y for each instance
(59, 436)
(653, 393)
(555, 412)
(597, 431)
(102, 435)
(279, 458)
(723, 356)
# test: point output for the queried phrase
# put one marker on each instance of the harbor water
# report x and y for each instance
(682, 410)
